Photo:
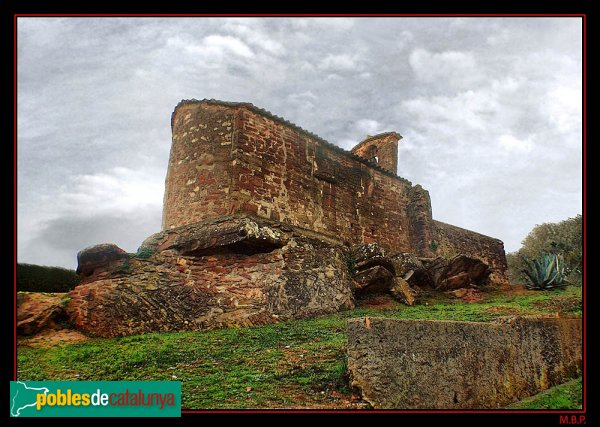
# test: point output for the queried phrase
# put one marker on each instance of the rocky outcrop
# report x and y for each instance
(233, 272)
(425, 364)
(402, 275)
(242, 271)
(37, 311)
(100, 259)
(375, 272)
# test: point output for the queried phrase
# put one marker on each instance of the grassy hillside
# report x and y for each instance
(295, 364)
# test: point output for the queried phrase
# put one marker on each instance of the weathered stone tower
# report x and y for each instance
(236, 159)
(264, 221)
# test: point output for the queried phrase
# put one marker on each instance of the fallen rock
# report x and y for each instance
(402, 291)
(365, 256)
(99, 257)
(37, 311)
(457, 272)
(376, 276)
(411, 268)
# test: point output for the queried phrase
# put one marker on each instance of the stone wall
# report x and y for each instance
(286, 175)
(418, 364)
(381, 149)
(199, 177)
(229, 158)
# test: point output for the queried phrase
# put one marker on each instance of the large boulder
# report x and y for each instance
(37, 311)
(366, 255)
(458, 272)
(411, 268)
(99, 257)
(376, 276)
(209, 275)
(375, 272)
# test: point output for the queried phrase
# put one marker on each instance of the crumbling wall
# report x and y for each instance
(233, 158)
(381, 149)
(426, 364)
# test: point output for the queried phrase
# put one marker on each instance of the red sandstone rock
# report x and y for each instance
(228, 287)
(258, 215)
(234, 158)
(457, 272)
(101, 257)
(37, 311)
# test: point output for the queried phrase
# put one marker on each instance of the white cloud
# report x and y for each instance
(210, 48)
(510, 143)
(252, 33)
(470, 109)
(341, 62)
(490, 112)
(455, 68)
(563, 105)
(119, 191)
(368, 127)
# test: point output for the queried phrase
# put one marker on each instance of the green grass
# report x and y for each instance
(293, 364)
(564, 396)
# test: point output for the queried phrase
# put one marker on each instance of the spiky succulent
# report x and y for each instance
(545, 272)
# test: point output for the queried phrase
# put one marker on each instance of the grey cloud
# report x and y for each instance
(488, 108)
(60, 239)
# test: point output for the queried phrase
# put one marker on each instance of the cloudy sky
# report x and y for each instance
(490, 112)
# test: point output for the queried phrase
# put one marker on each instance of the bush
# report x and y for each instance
(144, 252)
(40, 278)
(562, 238)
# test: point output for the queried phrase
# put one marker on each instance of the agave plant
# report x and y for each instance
(545, 272)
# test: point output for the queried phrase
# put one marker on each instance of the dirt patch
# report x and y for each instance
(565, 304)
(467, 295)
(378, 300)
(51, 338)
(500, 309)
(326, 399)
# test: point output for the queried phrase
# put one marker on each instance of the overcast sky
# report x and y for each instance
(490, 112)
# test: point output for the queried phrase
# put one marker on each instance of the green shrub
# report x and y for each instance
(545, 272)
(144, 252)
(433, 245)
(40, 278)
(562, 238)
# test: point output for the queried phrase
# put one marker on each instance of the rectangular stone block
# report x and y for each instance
(425, 364)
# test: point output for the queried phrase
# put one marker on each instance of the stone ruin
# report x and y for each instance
(263, 222)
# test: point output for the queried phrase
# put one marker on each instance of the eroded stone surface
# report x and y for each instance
(37, 311)
(183, 287)
(457, 272)
(99, 257)
(424, 364)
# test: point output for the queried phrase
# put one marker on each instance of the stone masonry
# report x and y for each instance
(264, 221)
(229, 158)
(426, 364)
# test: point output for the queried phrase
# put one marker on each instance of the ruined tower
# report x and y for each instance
(236, 159)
